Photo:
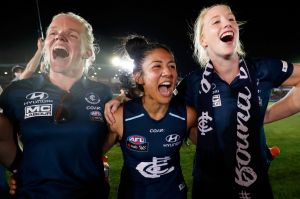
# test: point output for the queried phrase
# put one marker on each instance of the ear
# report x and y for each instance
(87, 54)
(138, 78)
(203, 41)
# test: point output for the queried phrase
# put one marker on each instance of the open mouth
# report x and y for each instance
(60, 53)
(227, 36)
(165, 88)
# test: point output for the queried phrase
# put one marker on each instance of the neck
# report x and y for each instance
(155, 110)
(63, 81)
(227, 69)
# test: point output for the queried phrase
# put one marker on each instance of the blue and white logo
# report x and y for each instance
(92, 98)
(37, 95)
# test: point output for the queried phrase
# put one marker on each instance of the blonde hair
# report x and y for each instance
(88, 39)
(200, 54)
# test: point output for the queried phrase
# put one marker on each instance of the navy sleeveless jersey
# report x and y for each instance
(60, 160)
(270, 73)
(151, 153)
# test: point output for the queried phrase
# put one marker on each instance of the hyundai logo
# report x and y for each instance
(172, 138)
(37, 95)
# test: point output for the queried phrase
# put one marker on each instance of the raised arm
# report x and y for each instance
(288, 105)
(34, 62)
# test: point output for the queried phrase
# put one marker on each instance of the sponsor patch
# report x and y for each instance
(172, 140)
(216, 100)
(38, 110)
(37, 96)
(181, 186)
(137, 143)
(96, 116)
(284, 66)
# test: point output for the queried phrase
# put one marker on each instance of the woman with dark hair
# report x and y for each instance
(152, 128)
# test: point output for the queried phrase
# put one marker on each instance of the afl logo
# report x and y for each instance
(172, 138)
(92, 98)
(136, 139)
(37, 95)
(95, 113)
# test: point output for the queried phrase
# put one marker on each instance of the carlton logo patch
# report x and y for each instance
(92, 98)
(137, 143)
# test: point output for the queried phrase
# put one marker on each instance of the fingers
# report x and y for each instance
(108, 114)
(12, 189)
(12, 184)
(110, 108)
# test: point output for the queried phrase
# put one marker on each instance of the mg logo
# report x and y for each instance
(172, 138)
(37, 95)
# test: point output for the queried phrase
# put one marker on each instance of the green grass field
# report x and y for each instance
(284, 171)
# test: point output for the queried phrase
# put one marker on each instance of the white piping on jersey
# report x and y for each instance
(134, 117)
(174, 115)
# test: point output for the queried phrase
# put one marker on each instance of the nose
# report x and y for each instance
(61, 36)
(167, 71)
(227, 23)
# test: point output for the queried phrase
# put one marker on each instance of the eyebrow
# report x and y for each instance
(227, 14)
(158, 61)
(69, 29)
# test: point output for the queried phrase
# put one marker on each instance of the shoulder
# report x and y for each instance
(29, 82)
(22, 85)
(190, 80)
(98, 88)
(195, 75)
(265, 62)
(97, 85)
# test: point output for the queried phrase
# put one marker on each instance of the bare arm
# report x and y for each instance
(288, 105)
(115, 130)
(192, 124)
(111, 106)
(34, 62)
(8, 147)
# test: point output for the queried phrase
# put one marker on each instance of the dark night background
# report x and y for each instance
(271, 29)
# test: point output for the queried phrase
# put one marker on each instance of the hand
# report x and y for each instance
(110, 107)
(12, 183)
(40, 43)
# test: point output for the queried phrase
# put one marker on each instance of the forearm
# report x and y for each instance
(32, 65)
(193, 135)
(287, 106)
(110, 141)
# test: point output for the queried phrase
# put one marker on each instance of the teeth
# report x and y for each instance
(165, 83)
(60, 47)
(227, 34)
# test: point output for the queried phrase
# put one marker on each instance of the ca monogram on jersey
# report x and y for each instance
(156, 168)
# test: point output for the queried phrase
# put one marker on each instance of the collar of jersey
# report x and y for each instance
(43, 81)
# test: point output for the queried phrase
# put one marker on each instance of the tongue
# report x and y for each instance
(163, 90)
